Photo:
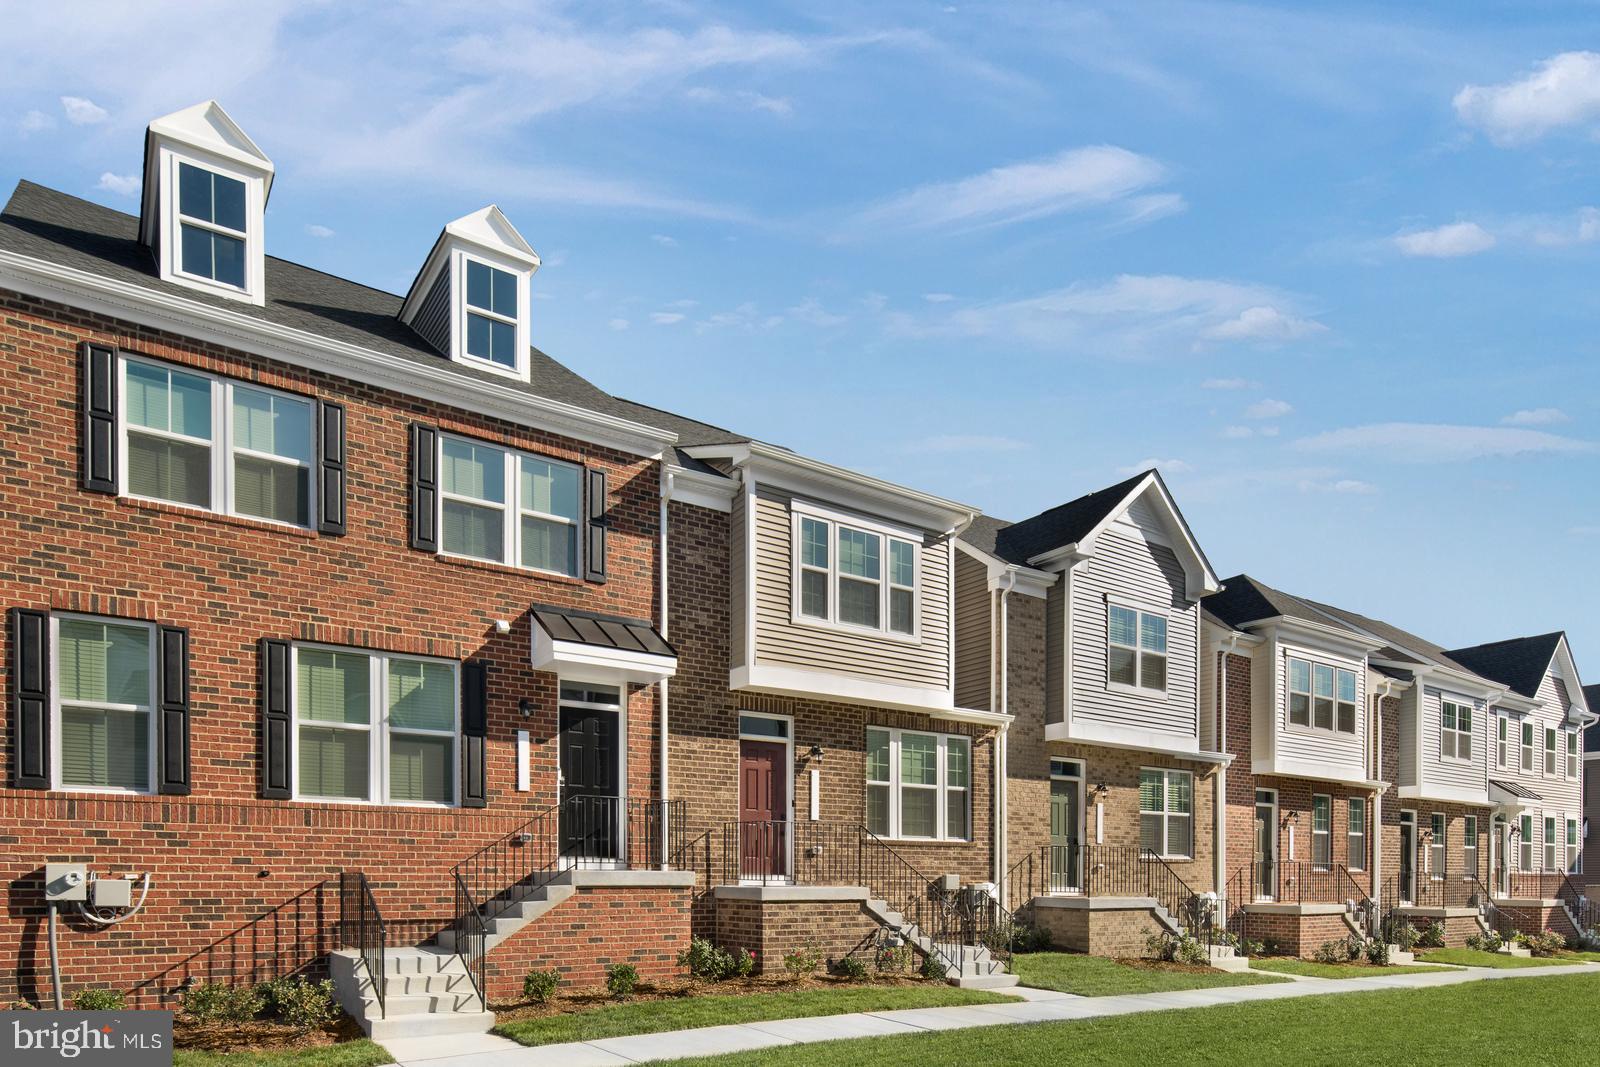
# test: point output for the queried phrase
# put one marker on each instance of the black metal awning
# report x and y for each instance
(590, 628)
(1520, 792)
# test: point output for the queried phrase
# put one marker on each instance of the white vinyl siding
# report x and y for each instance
(1454, 742)
(918, 785)
(104, 695)
(1166, 812)
(1318, 696)
(507, 507)
(974, 626)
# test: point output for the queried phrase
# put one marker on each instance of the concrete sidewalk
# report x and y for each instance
(1031, 1006)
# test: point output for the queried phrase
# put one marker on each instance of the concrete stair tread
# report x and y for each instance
(430, 1025)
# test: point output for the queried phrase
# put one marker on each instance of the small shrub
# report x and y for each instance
(1181, 949)
(704, 960)
(1489, 942)
(895, 959)
(1378, 952)
(1586, 941)
(803, 962)
(99, 1000)
(303, 1005)
(934, 969)
(850, 967)
(1332, 952)
(1542, 944)
(744, 964)
(540, 986)
(621, 980)
(1396, 930)
(1432, 936)
(212, 1002)
(1027, 938)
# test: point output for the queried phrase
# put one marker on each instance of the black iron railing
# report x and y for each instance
(1296, 882)
(1360, 901)
(1107, 871)
(1535, 884)
(471, 938)
(361, 928)
(1483, 900)
(1585, 915)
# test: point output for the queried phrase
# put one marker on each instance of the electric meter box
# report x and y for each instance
(66, 881)
(111, 893)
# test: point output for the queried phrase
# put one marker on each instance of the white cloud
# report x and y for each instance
(316, 230)
(938, 298)
(1338, 485)
(1237, 433)
(1536, 417)
(811, 311)
(1072, 180)
(1446, 242)
(81, 112)
(663, 240)
(949, 443)
(1165, 466)
(121, 184)
(1268, 409)
(666, 318)
(1581, 229)
(34, 121)
(1229, 383)
(1562, 91)
(1264, 324)
(743, 98)
(618, 324)
(1418, 442)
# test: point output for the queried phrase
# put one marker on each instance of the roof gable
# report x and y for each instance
(1519, 663)
(208, 127)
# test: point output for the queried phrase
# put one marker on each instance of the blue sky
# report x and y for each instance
(1334, 270)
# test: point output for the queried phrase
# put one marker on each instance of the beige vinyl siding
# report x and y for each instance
(1559, 792)
(1141, 573)
(974, 654)
(1055, 628)
(780, 640)
(738, 617)
(1407, 727)
(1340, 753)
(1439, 771)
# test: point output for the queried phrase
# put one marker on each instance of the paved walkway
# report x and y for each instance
(1032, 1006)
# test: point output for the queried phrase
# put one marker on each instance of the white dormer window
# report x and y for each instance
(491, 314)
(205, 197)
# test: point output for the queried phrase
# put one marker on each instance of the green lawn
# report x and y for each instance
(362, 1053)
(1313, 969)
(1474, 1024)
(687, 1013)
(1471, 957)
(1096, 976)
(1579, 957)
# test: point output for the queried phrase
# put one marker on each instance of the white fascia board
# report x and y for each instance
(206, 125)
(848, 689)
(232, 329)
(1460, 683)
(1317, 635)
(1222, 634)
(489, 228)
(783, 469)
(571, 657)
(1134, 741)
(1010, 576)
(1448, 794)
(713, 491)
(1314, 772)
(1201, 579)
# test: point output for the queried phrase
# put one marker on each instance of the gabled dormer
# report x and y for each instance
(205, 198)
(470, 301)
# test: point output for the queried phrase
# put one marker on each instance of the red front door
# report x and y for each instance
(763, 810)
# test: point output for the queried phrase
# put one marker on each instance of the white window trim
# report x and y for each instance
(377, 727)
(1167, 814)
(1502, 741)
(1469, 852)
(1572, 843)
(56, 704)
(172, 228)
(1571, 755)
(1438, 844)
(1310, 726)
(1139, 652)
(941, 787)
(220, 446)
(1525, 843)
(799, 511)
(1328, 833)
(1456, 730)
(511, 509)
(1356, 859)
(1553, 849)
(1551, 767)
(1528, 748)
(459, 258)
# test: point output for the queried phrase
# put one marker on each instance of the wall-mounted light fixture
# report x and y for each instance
(815, 753)
(1101, 790)
(526, 707)
(502, 626)
(1291, 819)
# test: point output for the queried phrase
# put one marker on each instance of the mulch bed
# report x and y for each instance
(260, 1036)
(678, 989)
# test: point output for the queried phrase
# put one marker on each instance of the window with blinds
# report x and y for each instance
(105, 687)
(506, 507)
(1166, 812)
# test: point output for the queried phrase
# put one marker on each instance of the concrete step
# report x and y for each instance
(422, 960)
(402, 1026)
(1401, 958)
(421, 1004)
(997, 980)
(434, 982)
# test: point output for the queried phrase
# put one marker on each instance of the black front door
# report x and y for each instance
(1408, 857)
(590, 804)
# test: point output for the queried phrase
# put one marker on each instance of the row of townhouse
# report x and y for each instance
(349, 630)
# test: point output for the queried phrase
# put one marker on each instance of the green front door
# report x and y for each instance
(1065, 835)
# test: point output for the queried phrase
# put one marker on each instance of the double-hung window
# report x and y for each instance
(216, 444)
(1166, 812)
(854, 576)
(1321, 696)
(104, 675)
(919, 784)
(374, 727)
(1455, 736)
(506, 507)
(1527, 747)
(1322, 832)
(1552, 844)
(1469, 844)
(1574, 860)
(1500, 742)
(1345, 702)
(1436, 846)
(1550, 752)
(1572, 754)
(1525, 845)
(1136, 653)
(1356, 846)
(491, 314)
(211, 225)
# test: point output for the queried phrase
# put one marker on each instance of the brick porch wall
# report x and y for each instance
(1294, 935)
(772, 929)
(1121, 933)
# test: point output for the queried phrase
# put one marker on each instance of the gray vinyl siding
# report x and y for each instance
(782, 641)
(1344, 753)
(1408, 737)
(1560, 793)
(738, 609)
(432, 320)
(1439, 771)
(974, 651)
(1141, 573)
(1055, 625)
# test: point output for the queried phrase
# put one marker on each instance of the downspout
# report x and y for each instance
(1377, 798)
(666, 496)
(1002, 740)
(1219, 844)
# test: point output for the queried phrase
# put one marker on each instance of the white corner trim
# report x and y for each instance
(248, 333)
(701, 489)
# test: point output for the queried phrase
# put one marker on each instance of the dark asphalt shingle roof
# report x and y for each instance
(1520, 662)
(53, 226)
(1064, 524)
(1245, 600)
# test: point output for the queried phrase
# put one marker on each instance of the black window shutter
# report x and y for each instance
(330, 468)
(474, 729)
(424, 487)
(277, 763)
(99, 402)
(30, 699)
(594, 554)
(173, 703)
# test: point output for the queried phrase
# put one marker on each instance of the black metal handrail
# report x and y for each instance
(1538, 883)
(361, 927)
(1293, 882)
(471, 938)
(1483, 900)
(1582, 910)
